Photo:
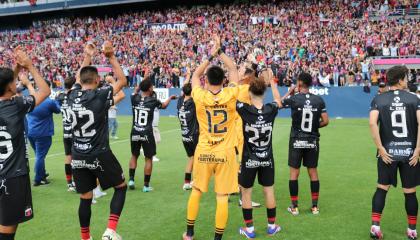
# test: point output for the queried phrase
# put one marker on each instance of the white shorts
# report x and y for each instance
(156, 133)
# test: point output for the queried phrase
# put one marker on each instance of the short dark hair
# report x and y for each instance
(145, 85)
(88, 74)
(187, 89)
(305, 78)
(395, 74)
(6, 77)
(258, 86)
(215, 75)
(69, 82)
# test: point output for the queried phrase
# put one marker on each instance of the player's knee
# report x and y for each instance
(196, 192)
(121, 187)
(294, 173)
(220, 198)
(88, 195)
(268, 190)
(313, 174)
(384, 187)
(409, 190)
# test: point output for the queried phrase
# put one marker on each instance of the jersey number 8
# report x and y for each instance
(307, 119)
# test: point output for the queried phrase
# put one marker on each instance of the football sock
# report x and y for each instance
(117, 205)
(67, 169)
(247, 214)
(132, 173)
(315, 193)
(222, 213)
(294, 190)
(192, 211)
(7, 236)
(412, 207)
(147, 180)
(271, 217)
(378, 204)
(84, 217)
(187, 177)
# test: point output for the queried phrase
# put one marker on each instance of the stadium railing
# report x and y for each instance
(400, 12)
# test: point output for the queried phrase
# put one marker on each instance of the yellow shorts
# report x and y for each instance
(223, 165)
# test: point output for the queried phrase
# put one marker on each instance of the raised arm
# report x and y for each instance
(195, 80)
(415, 158)
(90, 50)
(119, 97)
(228, 62)
(276, 93)
(43, 89)
(168, 101)
(374, 129)
(108, 50)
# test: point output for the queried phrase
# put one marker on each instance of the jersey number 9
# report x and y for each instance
(402, 123)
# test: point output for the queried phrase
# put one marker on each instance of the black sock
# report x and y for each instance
(190, 227)
(147, 180)
(247, 214)
(187, 177)
(118, 200)
(67, 170)
(315, 193)
(218, 236)
(294, 191)
(132, 173)
(412, 207)
(271, 215)
(7, 236)
(85, 212)
(378, 204)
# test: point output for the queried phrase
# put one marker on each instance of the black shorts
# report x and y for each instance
(190, 146)
(249, 170)
(15, 201)
(104, 167)
(68, 143)
(147, 142)
(303, 150)
(387, 174)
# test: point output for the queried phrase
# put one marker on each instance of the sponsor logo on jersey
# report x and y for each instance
(261, 154)
(405, 143)
(187, 139)
(136, 138)
(3, 186)
(83, 164)
(401, 152)
(82, 146)
(210, 158)
(256, 164)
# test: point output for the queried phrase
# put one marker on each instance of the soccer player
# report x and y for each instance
(15, 189)
(92, 157)
(257, 159)
(308, 115)
(142, 137)
(394, 123)
(63, 101)
(189, 128)
(215, 153)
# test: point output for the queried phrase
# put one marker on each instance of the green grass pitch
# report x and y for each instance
(347, 175)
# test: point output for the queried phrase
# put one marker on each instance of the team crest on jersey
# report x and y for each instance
(260, 118)
(77, 100)
(308, 102)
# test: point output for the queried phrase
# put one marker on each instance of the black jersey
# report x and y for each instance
(306, 113)
(143, 111)
(13, 152)
(397, 122)
(188, 119)
(257, 129)
(90, 125)
(63, 100)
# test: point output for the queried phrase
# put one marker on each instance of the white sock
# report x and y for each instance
(97, 191)
(271, 226)
(250, 229)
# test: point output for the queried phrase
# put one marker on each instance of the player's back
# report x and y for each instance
(63, 101)
(306, 113)
(187, 117)
(257, 128)
(13, 154)
(398, 121)
(143, 112)
(90, 124)
(216, 115)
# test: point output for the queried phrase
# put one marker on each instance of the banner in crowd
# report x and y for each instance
(168, 26)
(341, 102)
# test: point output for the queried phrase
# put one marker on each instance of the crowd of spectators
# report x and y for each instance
(333, 40)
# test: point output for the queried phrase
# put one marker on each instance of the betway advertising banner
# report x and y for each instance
(168, 26)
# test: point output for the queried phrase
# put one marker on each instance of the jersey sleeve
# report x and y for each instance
(26, 104)
(233, 89)
(55, 106)
(418, 103)
(240, 107)
(323, 107)
(287, 102)
(106, 94)
(158, 103)
(374, 105)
